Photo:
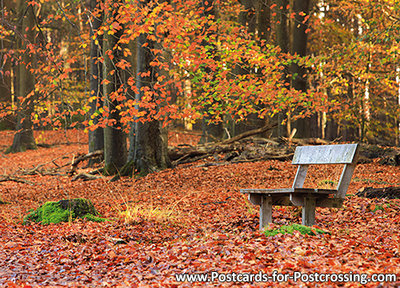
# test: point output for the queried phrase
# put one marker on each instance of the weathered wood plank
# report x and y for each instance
(300, 176)
(345, 179)
(255, 199)
(308, 215)
(321, 201)
(289, 190)
(277, 199)
(325, 154)
(265, 211)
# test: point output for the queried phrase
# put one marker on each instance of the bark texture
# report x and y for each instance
(96, 137)
(148, 150)
(299, 47)
(115, 147)
(23, 139)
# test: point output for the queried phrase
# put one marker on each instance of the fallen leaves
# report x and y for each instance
(213, 227)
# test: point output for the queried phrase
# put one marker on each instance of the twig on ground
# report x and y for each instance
(5, 178)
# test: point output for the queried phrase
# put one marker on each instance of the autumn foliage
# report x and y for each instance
(351, 67)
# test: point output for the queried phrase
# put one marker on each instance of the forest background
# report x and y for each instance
(132, 69)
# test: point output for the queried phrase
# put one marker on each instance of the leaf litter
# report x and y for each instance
(187, 219)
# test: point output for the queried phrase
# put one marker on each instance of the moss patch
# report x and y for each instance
(93, 218)
(295, 227)
(64, 211)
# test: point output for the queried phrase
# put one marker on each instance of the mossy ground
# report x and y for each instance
(295, 227)
(64, 211)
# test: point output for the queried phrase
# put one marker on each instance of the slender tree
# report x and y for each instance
(96, 137)
(299, 47)
(210, 131)
(6, 79)
(282, 40)
(248, 21)
(5, 63)
(23, 139)
(264, 19)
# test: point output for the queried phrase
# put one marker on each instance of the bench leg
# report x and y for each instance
(265, 211)
(308, 215)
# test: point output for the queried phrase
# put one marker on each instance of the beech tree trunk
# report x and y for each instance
(282, 40)
(211, 132)
(248, 20)
(5, 80)
(148, 150)
(299, 47)
(264, 19)
(6, 90)
(115, 147)
(96, 137)
(282, 34)
(23, 139)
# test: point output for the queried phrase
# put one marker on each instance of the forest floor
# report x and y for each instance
(188, 219)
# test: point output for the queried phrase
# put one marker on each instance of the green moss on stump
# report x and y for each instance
(295, 227)
(64, 211)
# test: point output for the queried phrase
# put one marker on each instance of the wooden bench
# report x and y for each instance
(308, 198)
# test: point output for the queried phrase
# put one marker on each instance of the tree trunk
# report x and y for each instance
(23, 139)
(6, 80)
(115, 148)
(149, 149)
(397, 140)
(264, 19)
(299, 47)
(211, 132)
(248, 20)
(282, 39)
(96, 137)
(6, 90)
(282, 35)
(248, 17)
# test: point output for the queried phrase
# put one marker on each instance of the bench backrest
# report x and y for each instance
(326, 154)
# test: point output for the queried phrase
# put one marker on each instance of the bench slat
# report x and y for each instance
(289, 190)
(287, 200)
(326, 154)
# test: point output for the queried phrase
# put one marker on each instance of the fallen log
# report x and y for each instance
(184, 154)
(386, 192)
(282, 157)
(187, 154)
(79, 159)
(249, 133)
(392, 160)
(306, 141)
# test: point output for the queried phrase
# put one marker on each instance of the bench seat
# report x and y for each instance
(289, 190)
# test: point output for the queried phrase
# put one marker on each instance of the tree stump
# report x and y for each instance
(64, 211)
